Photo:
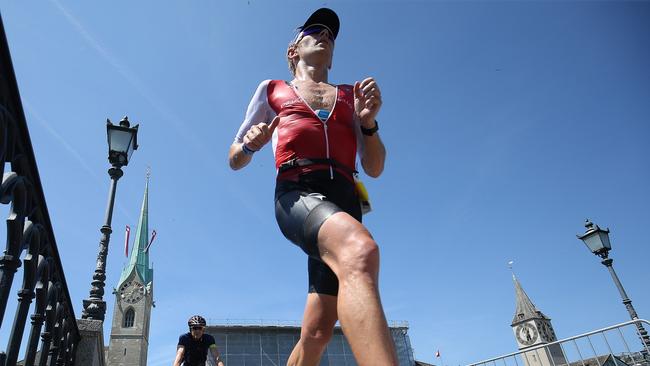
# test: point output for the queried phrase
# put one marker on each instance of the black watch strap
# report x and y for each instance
(370, 131)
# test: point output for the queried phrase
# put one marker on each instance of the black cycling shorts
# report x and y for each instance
(302, 207)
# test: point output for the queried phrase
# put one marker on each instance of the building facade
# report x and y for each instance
(257, 345)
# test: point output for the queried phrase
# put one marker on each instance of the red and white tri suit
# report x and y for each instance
(301, 134)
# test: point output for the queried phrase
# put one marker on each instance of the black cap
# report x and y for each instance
(326, 17)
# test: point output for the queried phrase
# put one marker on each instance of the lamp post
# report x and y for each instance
(597, 241)
(122, 140)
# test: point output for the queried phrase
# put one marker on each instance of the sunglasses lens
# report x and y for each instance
(312, 30)
(315, 30)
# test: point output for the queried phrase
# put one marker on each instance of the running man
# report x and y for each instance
(317, 129)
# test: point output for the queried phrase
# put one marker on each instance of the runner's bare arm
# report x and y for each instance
(374, 155)
(236, 156)
(367, 102)
(254, 140)
(258, 110)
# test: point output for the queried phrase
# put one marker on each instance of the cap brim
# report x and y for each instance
(326, 17)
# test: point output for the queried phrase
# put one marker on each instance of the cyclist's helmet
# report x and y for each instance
(195, 321)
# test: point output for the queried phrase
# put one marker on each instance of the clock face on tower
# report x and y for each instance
(131, 292)
(526, 334)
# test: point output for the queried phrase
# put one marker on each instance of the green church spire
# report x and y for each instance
(139, 258)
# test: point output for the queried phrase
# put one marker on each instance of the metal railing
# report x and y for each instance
(617, 345)
(30, 236)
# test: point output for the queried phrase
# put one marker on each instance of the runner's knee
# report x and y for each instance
(316, 336)
(360, 255)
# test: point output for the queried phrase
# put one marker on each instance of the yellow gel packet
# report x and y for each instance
(362, 192)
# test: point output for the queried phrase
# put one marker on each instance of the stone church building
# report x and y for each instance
(532, 328)
(129, 340)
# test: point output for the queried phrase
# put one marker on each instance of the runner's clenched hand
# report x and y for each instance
(260, 134)
(367, 101)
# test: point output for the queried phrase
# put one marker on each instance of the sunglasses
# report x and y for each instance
(315, 29)
(197, 328)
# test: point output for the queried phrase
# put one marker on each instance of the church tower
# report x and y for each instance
(133, 300)
(533, 328)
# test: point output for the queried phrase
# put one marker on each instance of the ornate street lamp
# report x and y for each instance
(122, 140)
(597, 241)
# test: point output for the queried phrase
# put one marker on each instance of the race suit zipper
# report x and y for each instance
(327, 150)
(327, 143)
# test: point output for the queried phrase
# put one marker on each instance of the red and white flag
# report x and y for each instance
(438, 353)
(153, 236)
(126, 241)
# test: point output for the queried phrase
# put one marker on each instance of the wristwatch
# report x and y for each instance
(246, 150)
(370, 131)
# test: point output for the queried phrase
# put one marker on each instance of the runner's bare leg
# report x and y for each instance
(317, 328)
(351, 252)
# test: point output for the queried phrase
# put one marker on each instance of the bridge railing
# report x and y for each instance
(53, 332)
(617, 345)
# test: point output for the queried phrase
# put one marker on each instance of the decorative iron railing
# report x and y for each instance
(617, 345)
(30, 236)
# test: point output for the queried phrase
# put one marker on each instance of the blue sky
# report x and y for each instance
(506, 125)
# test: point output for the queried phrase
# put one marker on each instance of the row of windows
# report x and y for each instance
(261, 348)
(255, 343)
